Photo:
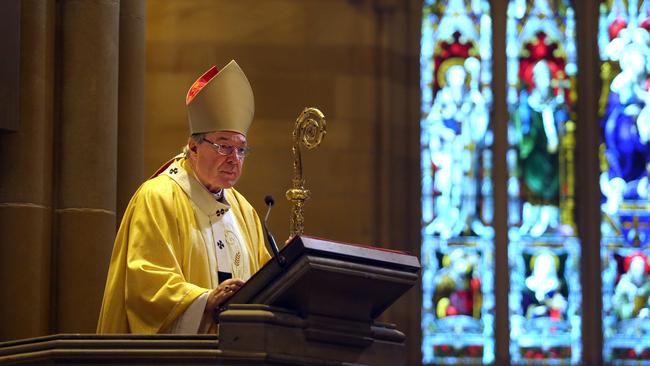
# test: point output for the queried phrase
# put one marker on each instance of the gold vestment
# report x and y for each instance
(160, 264)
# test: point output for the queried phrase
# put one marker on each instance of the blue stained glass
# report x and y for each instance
(624, 49)
(457, 207)
(543, 249)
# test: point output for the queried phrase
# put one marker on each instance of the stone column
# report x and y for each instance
(9, 65)
(397, 151)
(26, 183)
(87, 158)
(130, 151)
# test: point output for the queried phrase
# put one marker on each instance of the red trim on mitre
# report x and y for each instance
(200, 83)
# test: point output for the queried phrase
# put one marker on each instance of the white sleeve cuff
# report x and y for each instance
(190, 321)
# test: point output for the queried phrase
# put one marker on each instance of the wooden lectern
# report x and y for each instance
(321, 305)
(318, 308)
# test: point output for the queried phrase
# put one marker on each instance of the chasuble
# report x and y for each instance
(166, 252)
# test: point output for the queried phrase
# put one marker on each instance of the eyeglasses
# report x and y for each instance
(226, 150)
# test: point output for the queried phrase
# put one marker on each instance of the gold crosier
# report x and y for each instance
(309, 131)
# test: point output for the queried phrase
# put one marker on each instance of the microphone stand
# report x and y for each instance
(274, 247)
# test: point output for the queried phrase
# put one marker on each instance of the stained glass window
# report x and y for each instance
(457, 250)
(624, 46)
(543, 249)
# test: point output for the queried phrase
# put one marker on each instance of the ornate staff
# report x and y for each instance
(309, 131)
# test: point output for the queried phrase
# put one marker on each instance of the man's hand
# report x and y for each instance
(222, 293)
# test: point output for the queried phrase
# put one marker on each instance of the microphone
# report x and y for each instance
(276, 252)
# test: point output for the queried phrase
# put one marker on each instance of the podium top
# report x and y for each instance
(332, 279)
(366, 253)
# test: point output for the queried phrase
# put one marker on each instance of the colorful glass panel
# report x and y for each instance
(543, 249)
(457, 249)
(624, 48)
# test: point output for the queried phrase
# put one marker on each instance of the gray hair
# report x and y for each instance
(196, 137)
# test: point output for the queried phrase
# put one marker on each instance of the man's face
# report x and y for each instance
(213, 169)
